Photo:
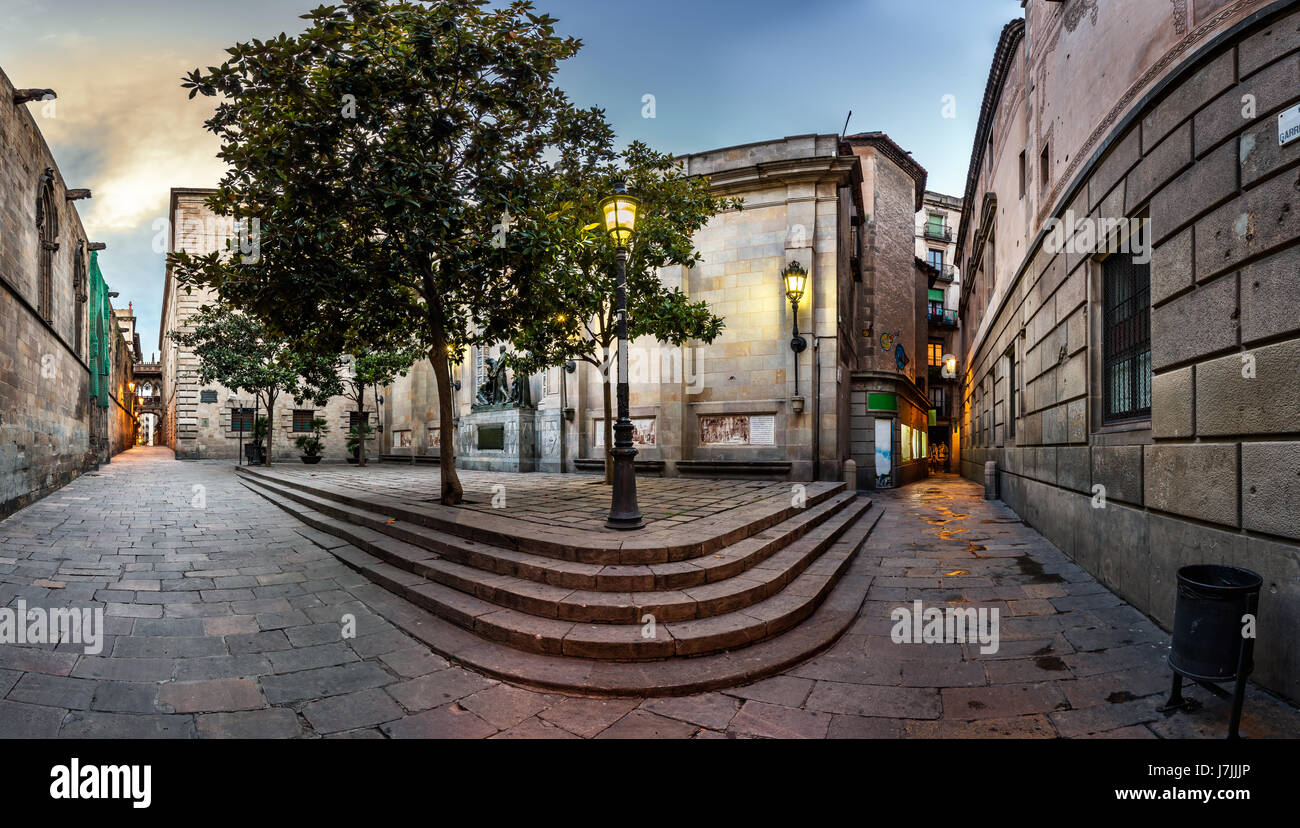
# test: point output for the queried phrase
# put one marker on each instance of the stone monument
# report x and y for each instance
(500, 432)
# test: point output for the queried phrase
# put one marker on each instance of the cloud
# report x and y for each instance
(133, 129)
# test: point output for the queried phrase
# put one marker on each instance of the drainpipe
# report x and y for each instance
(816, 408)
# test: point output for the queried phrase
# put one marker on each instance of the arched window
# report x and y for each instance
(47, 228)
(80, 277)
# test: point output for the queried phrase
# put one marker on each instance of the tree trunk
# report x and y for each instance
(364, 421)
(451, 488)
(608, 427)
(270, 424)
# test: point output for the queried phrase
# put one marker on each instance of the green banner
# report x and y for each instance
(882, 402)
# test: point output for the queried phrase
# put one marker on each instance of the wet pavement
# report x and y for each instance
(223, 620)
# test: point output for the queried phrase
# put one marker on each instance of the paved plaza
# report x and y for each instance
(224, 620)
(575, 501)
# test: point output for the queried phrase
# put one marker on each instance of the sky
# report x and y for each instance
(721, 73)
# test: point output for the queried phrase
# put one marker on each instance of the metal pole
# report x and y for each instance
(794, 339)
(257, 406)
(623, 510)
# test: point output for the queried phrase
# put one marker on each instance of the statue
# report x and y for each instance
(495, 390)
(521, 392)
(501, 391)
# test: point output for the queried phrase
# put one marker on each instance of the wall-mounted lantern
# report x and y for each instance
(796, 283)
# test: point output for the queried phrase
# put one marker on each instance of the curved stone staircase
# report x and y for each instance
(747, 594)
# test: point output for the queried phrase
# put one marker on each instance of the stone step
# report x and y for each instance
(706, 536)
(763, 579)
(697, 572)
(637, 642)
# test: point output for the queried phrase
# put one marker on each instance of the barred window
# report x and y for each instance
(302, 419)
(1011, 391)
(1126, 331)
(241, 419)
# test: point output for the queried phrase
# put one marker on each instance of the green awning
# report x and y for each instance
(936, 295)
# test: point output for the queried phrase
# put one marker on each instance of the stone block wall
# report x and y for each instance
(1213, 474)
(45, 415)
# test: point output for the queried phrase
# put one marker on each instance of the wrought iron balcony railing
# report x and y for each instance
(944, 317)
(942, 232)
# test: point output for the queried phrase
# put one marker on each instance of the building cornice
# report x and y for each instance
(1012, 34)
(891, 150)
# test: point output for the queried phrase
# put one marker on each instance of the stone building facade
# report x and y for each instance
(1129, 313)
(936, 243)
(747, 404)
(210, 421)
(60, 409)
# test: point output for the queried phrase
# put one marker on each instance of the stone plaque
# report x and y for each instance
(762, 430)
(642, 435)
(207, 396)
(724, 430)
(491, 437)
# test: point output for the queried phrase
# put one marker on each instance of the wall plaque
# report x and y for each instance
(762, 430)
(724, 430)
(643, 433)
(491, 437)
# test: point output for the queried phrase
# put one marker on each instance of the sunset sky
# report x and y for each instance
(723, 72)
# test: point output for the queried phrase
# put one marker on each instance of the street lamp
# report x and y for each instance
(796, 282)
(620, 213)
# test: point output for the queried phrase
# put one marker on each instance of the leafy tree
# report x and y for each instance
(583, 271)
(394, 154)
(367, 370)
(236, 350)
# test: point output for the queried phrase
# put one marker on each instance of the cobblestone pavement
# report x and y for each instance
(580, 501)
(222, 620)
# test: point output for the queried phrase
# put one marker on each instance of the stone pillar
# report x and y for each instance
(991, 480)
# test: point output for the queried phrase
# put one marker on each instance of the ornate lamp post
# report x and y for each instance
(796, 282)
(620, 210)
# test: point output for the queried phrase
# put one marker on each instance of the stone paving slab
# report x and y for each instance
(226, 622)
(578, 500)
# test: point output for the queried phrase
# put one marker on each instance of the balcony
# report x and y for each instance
(943, 317)
(946, 273)
(938, 232)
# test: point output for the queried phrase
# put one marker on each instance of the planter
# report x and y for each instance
(311, 460)
(352, 460)
(253, 454)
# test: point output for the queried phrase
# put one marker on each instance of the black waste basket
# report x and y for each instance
(1209, 621)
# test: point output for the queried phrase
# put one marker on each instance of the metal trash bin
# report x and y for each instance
(1209, 644)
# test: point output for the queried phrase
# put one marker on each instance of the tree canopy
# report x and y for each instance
(393, 154)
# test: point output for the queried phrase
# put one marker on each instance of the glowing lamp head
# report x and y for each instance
(131, 385)
(796, 282)
(620, 213)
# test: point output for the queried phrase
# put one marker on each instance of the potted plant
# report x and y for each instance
(255, 451)
(356, 434)
(311, 445)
